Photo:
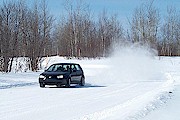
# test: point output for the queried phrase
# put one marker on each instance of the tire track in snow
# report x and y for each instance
(125, 109)
(105, 113)
(153, 99)
(14, 85)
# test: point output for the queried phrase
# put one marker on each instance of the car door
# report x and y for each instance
(74, 77)
(78, 73)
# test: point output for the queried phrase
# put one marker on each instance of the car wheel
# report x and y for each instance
(42, 85)
(68, 84)
(82, 83)
(58, 85)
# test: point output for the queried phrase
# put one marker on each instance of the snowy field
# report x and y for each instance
(129, 86)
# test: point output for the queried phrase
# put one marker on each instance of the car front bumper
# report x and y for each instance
(53, 81)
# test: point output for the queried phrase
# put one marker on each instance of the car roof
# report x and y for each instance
(65, 64)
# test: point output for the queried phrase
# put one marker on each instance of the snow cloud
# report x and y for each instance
(131, 64)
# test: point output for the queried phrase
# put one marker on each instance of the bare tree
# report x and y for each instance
(145, 24)
(47, 23)
(7, 30)
(81, 36)
(170, 44)
(72, 29)
(110, 32)
(24, 32)
(39, 34)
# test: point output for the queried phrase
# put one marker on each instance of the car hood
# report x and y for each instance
(54, 73)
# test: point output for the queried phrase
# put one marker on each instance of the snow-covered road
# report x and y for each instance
(169, 111)
(105, 95)
(89, 102)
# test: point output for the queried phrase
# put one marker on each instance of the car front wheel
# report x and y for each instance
(82, 83)
(42, 85)
(68, 84)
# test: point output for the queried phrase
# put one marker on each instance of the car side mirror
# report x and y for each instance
(74, 70)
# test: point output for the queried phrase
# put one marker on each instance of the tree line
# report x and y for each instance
(24, 32)
(32, 32)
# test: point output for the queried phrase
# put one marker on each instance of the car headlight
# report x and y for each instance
(60, 76)
(41, 76)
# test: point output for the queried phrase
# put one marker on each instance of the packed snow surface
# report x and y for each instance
(129, 86)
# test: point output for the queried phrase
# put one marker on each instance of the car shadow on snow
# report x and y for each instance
(87, 85)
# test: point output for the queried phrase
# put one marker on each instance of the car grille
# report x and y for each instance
(52, 77)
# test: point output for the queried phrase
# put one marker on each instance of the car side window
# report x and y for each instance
(73, 68)
(77, 67)
(66, 68)
(59, 68)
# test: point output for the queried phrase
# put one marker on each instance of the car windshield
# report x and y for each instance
(59, 68)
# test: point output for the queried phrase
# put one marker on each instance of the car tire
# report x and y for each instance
(82, 83)
(68, 83)
(58, 85)
(42, 85)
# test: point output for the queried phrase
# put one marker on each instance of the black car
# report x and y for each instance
(62, 74)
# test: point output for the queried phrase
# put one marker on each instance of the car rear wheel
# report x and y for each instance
(82, 83)
(42, 85)
(68, 84)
